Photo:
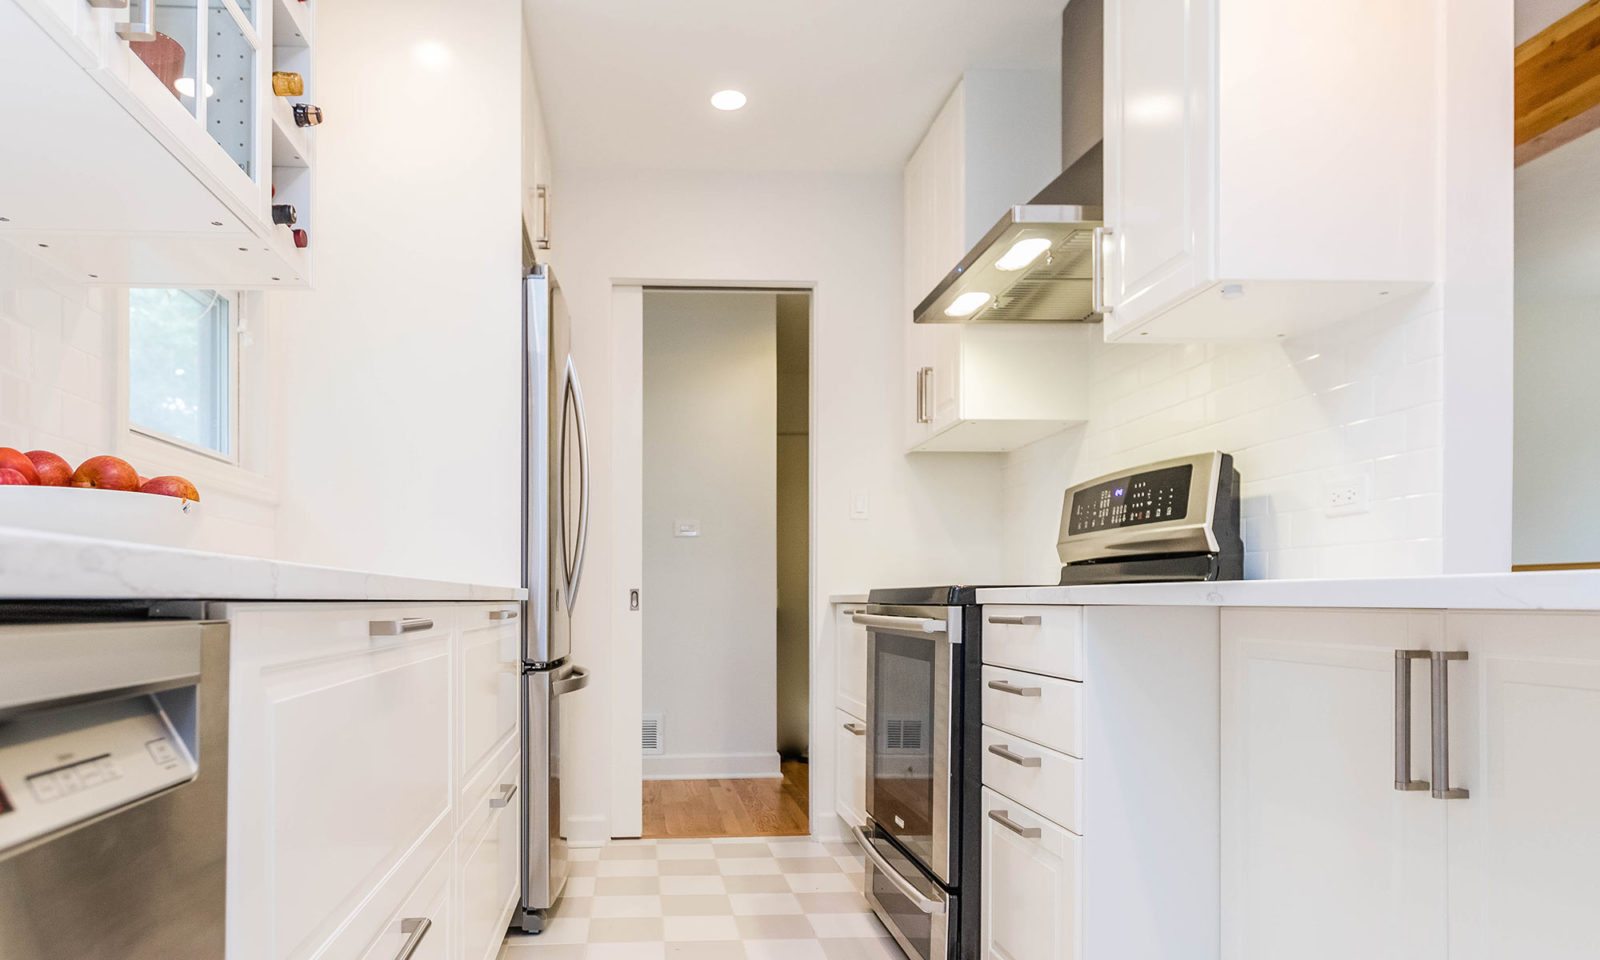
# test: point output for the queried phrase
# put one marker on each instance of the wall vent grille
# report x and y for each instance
(650, 735)
(903, 735)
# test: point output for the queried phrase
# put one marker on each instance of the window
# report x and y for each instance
(182, 367)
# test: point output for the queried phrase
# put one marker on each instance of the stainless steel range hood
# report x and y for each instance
(1036, 265)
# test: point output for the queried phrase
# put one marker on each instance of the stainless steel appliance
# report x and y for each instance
(923, 667)
(113, 790)
(1172, 520)
(555, 532)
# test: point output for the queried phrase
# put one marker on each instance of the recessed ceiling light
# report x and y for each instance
(727, 99)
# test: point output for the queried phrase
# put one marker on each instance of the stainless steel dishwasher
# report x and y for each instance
(113, 790)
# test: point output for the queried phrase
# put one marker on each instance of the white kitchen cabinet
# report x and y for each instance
(425, 919)
(1524, 712)
(195, 155)
(1322, 856)
(994, 144)
(850, 660)
(1257, 187)
(536, 165)
(1031, 885)
(850, 771)
(369, 742)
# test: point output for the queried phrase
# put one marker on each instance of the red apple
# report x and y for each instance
(53, 471)
(171, 487)
(14, 459)
(10, 477)
(143, 480)
(106, 473)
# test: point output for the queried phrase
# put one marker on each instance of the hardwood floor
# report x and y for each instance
(729, 808)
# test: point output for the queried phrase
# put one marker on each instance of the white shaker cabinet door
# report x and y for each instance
(1525, 745)
(1031, 882)
(850, 776)
(1159, 155)
(850, 661)
(1322, 857)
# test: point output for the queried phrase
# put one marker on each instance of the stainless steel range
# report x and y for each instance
(1173, 520)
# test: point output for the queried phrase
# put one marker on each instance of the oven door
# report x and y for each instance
(913, 720)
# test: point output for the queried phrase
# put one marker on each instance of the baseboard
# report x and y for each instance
(713, 766)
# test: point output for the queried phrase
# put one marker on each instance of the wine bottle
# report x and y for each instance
(307, 115)
(283, 213)
(286, 84)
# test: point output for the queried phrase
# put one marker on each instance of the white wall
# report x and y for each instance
(710, 457)
(1557, 516)
(401, 395)
(1361, 399)
(931, 519)
(60, 386)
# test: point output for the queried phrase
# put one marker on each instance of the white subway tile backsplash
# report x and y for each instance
(1360, 398)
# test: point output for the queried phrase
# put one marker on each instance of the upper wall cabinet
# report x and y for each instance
(995, 143)
(1270, 168)
(159, 161)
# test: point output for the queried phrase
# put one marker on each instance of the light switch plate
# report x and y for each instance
(686, 527)
(858, 504)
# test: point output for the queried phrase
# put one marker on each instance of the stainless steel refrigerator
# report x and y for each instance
(555, 530)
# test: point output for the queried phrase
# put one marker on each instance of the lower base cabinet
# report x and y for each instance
(1032, 872)
(373, 781)
(850, 768)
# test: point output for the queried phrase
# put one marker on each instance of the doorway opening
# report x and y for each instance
(725, 465)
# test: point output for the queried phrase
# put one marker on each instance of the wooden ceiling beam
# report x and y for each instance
(1558, 83)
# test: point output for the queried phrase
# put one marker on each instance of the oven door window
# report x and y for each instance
(911, 692)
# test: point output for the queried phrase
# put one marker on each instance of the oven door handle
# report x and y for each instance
(911, 626)
(924, 903)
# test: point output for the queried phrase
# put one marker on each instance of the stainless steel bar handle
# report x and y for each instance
(394, 628)
(851, 613)
(859, 729)
(1003, 817)
(1005, 686)
(415, 929)
(925, 395)
(502, 614)
(1097, 269)
(1017, 621)
(1441, 724)
(507, 791)
(1402, 719)
(922, 902)
(901, 624)
(110, 4)
(575, 389)
(141, 23)
(542, 241)
(1004, 752)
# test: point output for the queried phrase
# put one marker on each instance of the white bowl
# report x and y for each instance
(107, 514)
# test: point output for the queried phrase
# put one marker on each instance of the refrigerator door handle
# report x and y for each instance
(574, 395)
(571, 683)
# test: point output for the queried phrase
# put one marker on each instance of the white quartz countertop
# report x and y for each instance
(37, 566)
(1554, 590)
(847, 598)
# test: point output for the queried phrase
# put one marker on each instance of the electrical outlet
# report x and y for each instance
(1342, 496)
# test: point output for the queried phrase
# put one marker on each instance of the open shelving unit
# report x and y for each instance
(294, 147)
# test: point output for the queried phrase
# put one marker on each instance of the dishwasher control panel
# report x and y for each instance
(61, 767)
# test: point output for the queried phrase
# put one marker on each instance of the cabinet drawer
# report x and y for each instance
(339, 793)
(850, 661)
(1043, 709)
(489, 862)
(850, 768)
(1038, 639)
(1037, 777)
(424, 917)
(1032, 884)
(487, 698)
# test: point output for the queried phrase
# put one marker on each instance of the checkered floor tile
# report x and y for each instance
(778, 899)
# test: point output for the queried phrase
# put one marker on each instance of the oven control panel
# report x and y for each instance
(64, 766)
(1138, 498)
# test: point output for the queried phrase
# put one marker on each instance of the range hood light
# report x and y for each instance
(1022, 253)
(967, 304)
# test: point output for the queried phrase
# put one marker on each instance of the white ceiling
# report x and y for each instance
(833, 84)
